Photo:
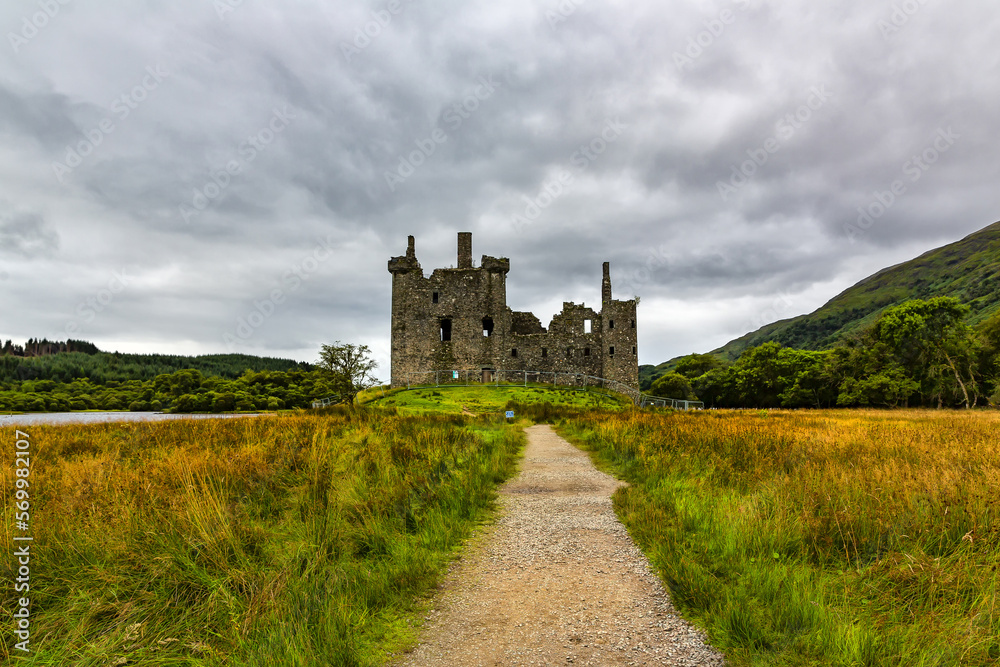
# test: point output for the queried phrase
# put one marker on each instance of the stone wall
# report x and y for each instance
(459, 319)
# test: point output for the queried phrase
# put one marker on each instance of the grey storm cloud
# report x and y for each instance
(721, 155)
(26, 234)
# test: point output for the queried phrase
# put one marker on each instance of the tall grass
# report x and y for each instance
(833, 538)
(289, 540)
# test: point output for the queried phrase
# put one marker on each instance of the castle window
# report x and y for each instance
(569, 352)
(487, 326)
(633, 324)
(445, 329)
(633, 350)
(434, 297)
(611, 324)
(586, 351)
(513, 352)
(611, 351)
(545, 352)
(586, 326)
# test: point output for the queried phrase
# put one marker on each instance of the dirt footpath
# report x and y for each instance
(557, 581)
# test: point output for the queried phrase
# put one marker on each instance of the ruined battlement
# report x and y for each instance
(459, 319)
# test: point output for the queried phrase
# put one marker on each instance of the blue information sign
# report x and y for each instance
(510, 414)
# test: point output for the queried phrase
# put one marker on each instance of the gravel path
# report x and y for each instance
(557, 581)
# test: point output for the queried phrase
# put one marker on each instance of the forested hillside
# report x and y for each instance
(968, 270)
(42, 375)
(48, 361)
(918, 353)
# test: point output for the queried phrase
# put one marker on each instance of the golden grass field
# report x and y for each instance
(843, 537)
(293, 540)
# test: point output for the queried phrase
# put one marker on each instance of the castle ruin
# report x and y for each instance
(459, 319)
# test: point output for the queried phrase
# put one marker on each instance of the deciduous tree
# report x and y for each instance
(350, 368)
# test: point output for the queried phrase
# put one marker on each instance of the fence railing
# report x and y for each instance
(326, 402)
(496, 378)
(648, 401)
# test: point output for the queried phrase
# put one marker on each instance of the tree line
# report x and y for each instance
(921, 353)
(181, 391)
(64, 381)
(36, 347)
(51, 376)
(64, 362)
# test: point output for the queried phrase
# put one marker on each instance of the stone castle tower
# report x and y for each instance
(458, 319)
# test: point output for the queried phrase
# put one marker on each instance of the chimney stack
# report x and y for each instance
(606, 284)
(410, 254)
(465, 250)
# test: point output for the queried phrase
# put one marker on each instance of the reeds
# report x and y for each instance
(288, 540)
(834, 538)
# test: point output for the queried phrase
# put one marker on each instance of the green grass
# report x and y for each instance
(818, 538)
(286, 540)
(491, 400)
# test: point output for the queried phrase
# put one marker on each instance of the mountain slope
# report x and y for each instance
(968, 270)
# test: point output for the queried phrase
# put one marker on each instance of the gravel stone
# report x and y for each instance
(556, 581)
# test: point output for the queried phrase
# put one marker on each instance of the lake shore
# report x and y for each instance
(27, 419)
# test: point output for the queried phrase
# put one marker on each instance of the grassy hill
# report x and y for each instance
(968, 270)
(481, 400)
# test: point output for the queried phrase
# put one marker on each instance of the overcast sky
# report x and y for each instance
(168, 169)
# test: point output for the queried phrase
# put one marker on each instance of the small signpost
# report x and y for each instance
(454, 375)
(510, 414)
